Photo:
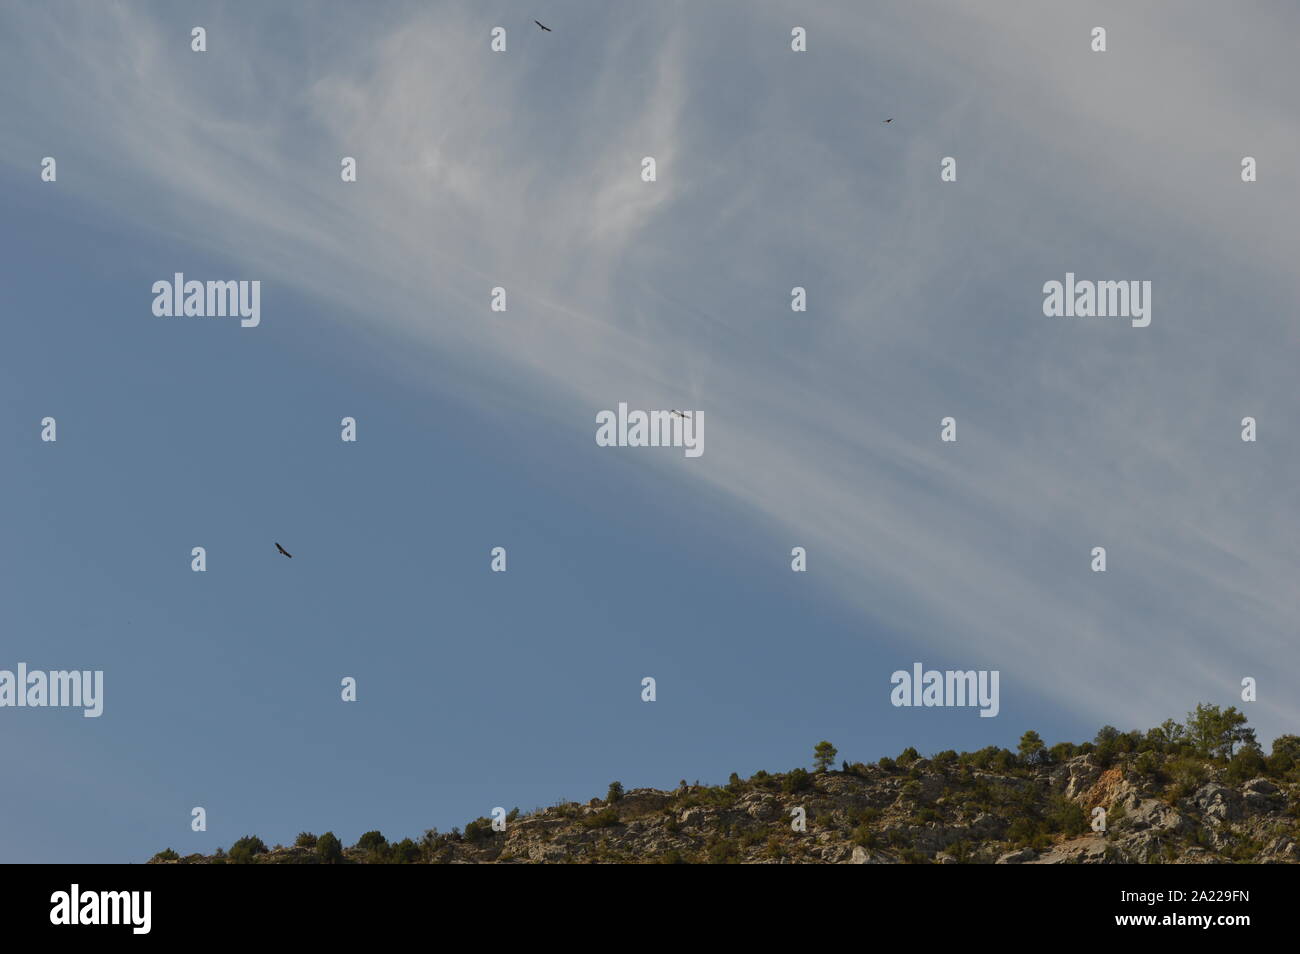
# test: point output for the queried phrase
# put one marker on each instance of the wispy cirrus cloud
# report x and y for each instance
(521, 169)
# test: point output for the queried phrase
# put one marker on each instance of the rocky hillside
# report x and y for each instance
(1163, 800)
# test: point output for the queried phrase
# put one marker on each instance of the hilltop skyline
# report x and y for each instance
(477, 429)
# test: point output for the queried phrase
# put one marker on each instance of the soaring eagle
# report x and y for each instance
(539, 23)
(284, 551)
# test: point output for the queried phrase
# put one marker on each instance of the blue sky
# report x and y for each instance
(476, 429)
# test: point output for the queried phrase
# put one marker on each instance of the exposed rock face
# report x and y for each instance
(1153, 814)
(1018, 857)
(860, 856)
(1084, 850)
(1218, 802)
(931, 811)
(1260, 797)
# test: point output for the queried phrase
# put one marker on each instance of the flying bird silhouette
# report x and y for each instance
(546, 28)
(890, 119)
(680, 414)
(284, 551)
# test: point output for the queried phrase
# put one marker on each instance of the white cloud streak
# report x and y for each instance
(480, 169)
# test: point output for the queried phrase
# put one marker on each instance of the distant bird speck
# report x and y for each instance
(890, 119)
(284, 551)
(543, 26)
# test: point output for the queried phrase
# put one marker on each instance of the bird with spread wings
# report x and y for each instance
(284, 551)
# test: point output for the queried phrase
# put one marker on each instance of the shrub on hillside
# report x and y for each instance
(404, 852)
(1186, 774)
(243, 851)
(1066, 817)
(1062, 751)
(1246, 764)
(1149, 765)
(480, 829)
(944, 760)
(1285, 759)
(329, 849)
(606, 818)
(864, 836)
(798, 780)
(723, 852)
(372, 841)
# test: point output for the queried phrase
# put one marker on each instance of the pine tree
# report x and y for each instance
(823, 756)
